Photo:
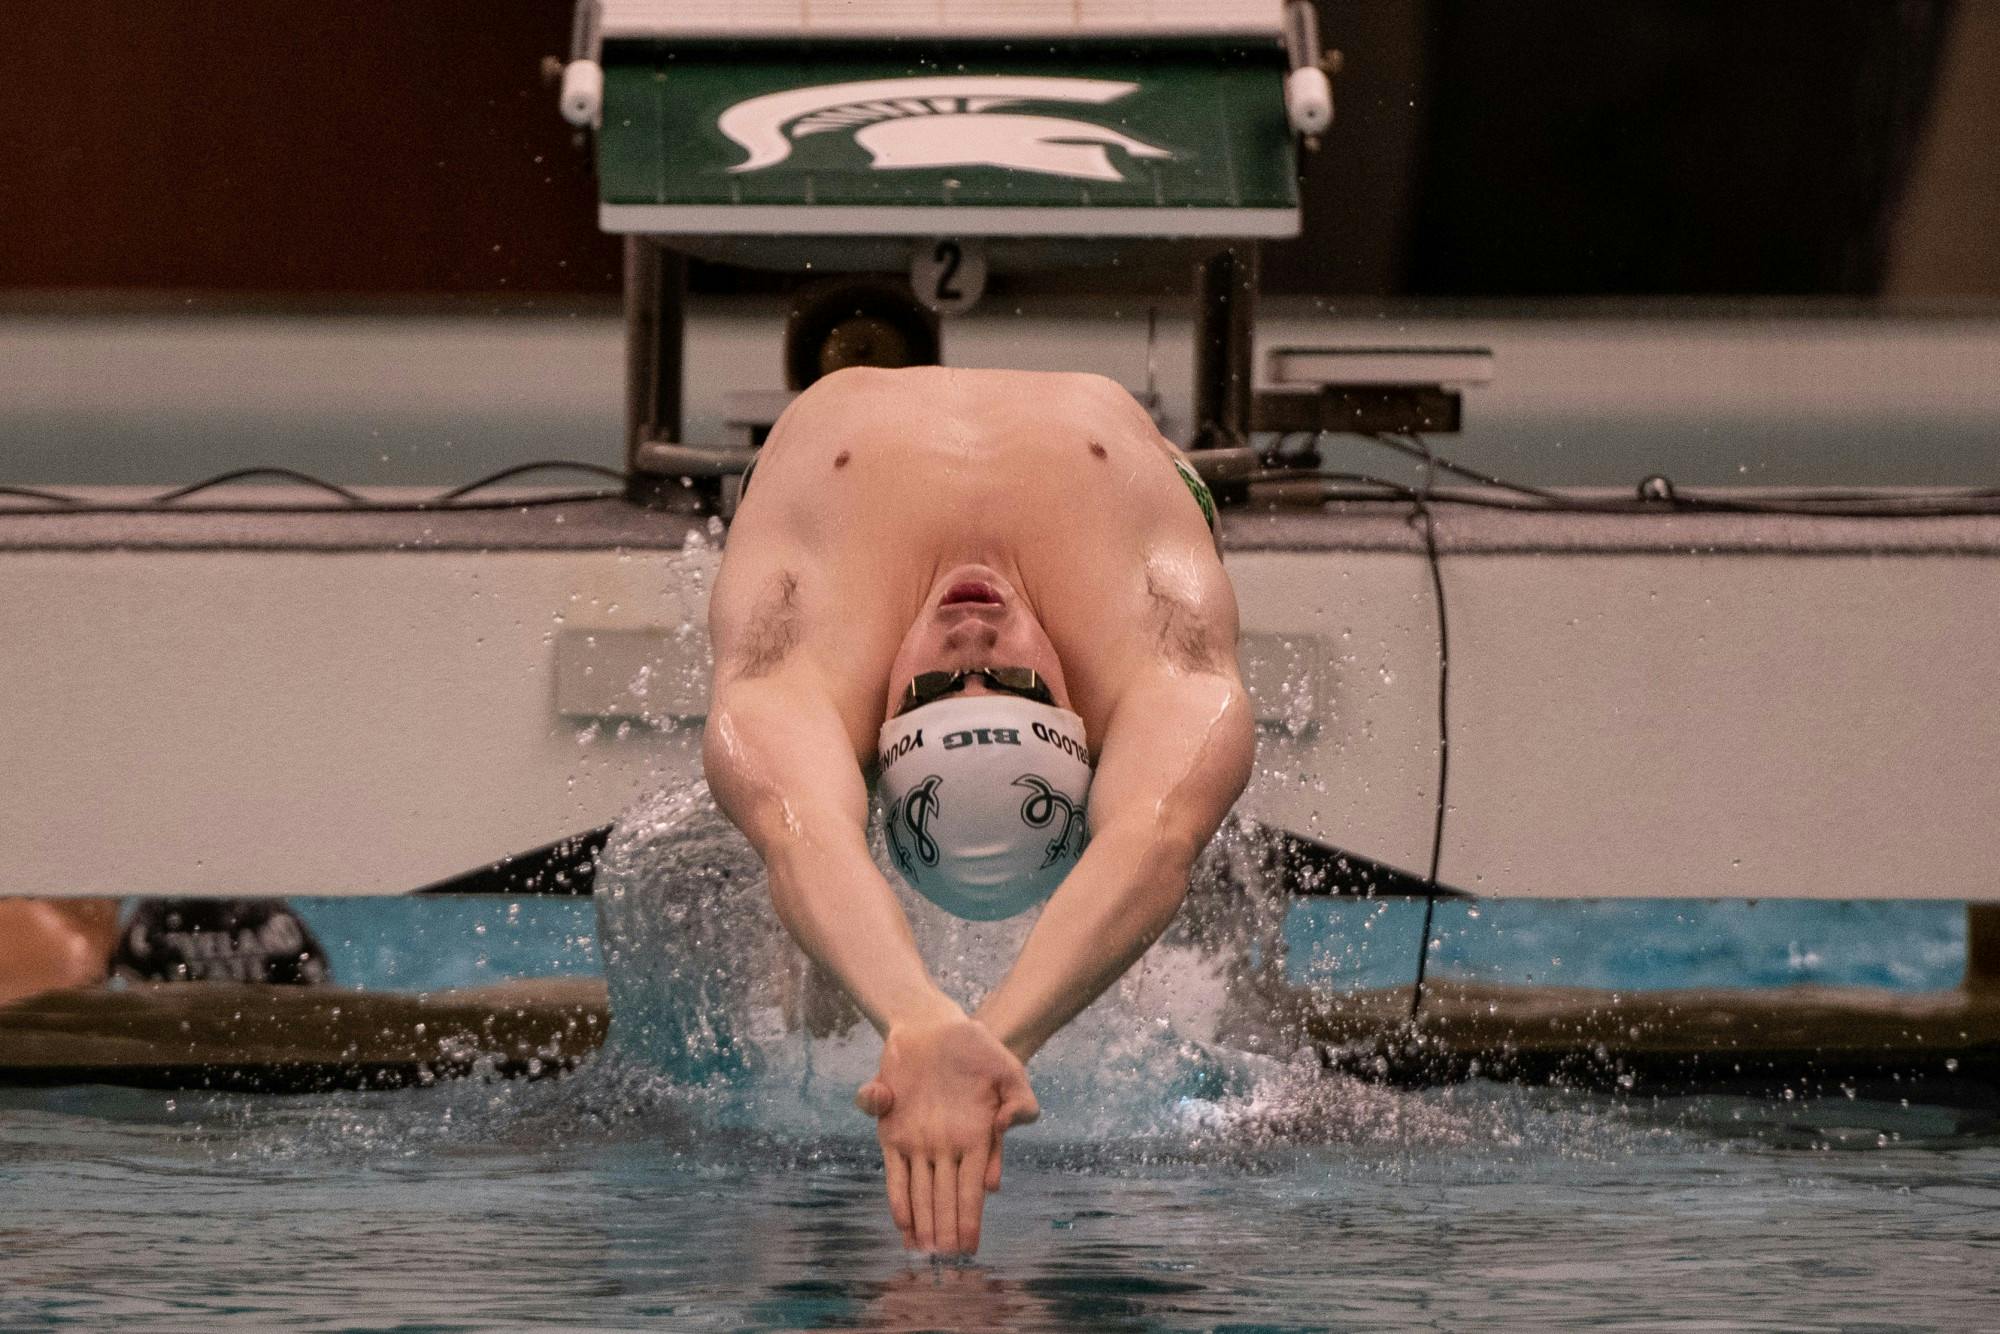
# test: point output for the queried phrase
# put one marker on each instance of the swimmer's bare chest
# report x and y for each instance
(869, 509)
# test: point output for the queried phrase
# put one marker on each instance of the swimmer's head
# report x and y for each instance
(984, 791)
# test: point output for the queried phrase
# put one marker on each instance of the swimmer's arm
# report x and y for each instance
(782, 768)
(1176, 755)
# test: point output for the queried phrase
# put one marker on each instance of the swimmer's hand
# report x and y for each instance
(945, 1093)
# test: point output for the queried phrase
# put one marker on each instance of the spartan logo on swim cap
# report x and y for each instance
(1040, 810)
(915, 812)
(942, 121)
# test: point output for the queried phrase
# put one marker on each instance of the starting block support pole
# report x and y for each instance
(1982, 947)
(1225, 293)
(655, 335)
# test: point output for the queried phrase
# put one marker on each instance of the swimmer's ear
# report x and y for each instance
(875, 1098)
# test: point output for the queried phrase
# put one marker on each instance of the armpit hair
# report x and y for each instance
(1184, 637)
(774, 629)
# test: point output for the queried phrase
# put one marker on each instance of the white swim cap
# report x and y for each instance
(985, 801)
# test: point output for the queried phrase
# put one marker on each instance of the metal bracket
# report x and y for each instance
(655, 362)
(1361, 409)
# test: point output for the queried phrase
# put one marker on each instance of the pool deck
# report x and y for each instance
(1939, 1046)
(279, 1039)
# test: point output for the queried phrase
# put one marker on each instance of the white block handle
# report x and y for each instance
(1309, 99)
(582, 92)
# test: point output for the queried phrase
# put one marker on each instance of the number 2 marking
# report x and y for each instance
(950, 256)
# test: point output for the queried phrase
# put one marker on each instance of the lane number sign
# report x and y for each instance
(948, 276)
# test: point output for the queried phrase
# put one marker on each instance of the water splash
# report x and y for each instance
(727, 1053)
(1180, 1056)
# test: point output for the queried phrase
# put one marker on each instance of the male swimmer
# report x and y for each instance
(998, 594)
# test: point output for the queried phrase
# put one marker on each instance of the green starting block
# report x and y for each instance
(940, 137)
(1181, 144)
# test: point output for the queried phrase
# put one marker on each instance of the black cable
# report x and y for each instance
(365, 507)
(238, 474)
(1417, 448)
(1967, 504)
(1958, 503)
(540, 465)
(1384, 488)
(1517, 497)
(31, 493)
(353, 501)
(1963, 504)
(1422, 511)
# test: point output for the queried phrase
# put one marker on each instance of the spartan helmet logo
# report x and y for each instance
(941, 121)
(1043, 808)
(915, 813)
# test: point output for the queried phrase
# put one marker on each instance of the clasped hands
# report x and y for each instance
(945, 1093)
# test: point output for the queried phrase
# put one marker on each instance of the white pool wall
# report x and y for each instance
(1779, 394)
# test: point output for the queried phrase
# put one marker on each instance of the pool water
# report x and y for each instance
(706, 1171)
(603, 1202)
(424, 944)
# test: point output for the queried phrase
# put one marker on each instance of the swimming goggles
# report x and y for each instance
(929, 687)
